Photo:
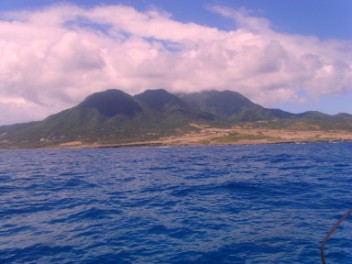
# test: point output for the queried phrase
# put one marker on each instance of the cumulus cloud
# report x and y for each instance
(51, 58)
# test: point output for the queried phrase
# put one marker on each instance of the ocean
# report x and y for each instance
(219, 204)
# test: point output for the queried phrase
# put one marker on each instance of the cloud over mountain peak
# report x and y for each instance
(53, 57)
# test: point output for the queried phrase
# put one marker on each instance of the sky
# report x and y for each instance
(293, 55)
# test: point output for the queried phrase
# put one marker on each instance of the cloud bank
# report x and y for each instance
(50, 59)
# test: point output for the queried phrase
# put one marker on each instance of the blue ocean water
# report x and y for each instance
(233, 204)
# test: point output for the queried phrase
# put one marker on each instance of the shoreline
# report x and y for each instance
(211, 136)
(138, 145)
(163, 145)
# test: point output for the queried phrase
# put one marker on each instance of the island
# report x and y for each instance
(113, 118)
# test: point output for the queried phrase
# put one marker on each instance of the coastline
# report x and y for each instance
(243, 136)
(210, 136)
(156, 145)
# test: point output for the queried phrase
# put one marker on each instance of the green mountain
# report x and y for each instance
(114, 117)
(161, 101)
(232, 106)
(111, 103)
(168, 106)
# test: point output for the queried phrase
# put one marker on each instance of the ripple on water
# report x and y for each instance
(240, 204)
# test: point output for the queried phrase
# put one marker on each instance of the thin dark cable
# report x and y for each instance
(332, 230)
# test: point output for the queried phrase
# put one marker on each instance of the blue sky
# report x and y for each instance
(324, 18)
(294, 55)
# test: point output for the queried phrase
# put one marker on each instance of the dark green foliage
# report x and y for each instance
(232, 106)
(111, 103)
(160, 100)
(224, 103)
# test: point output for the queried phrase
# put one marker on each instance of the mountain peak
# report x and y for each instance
(111, 102)
(159, 99)
(222, 103)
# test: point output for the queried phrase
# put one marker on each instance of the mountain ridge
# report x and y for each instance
(113, 116)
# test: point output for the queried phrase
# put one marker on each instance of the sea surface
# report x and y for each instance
(226, 204)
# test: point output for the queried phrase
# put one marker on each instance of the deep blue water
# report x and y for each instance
(235, 204)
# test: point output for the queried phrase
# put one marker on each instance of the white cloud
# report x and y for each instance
(51, 58)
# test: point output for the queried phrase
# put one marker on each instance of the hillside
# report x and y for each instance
(232, 106)
(114, 117)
